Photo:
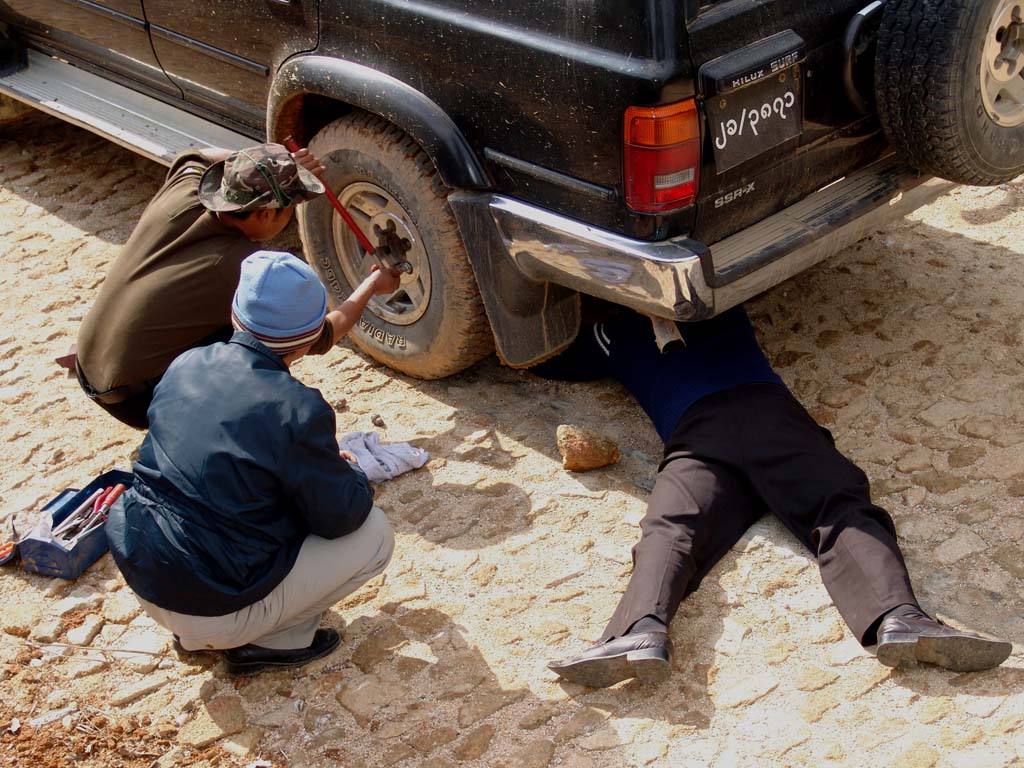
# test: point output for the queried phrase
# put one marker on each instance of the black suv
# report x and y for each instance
(675, 156)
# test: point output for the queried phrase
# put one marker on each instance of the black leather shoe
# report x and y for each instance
(249, 659)
(643, 655)
(905, 642)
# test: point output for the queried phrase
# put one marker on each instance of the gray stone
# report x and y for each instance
(438, 761)
(886, 485)
(536, 755)
(845, 652)
(828, 630)
(367, 695)
(329, 736)
(944, 412)
(151, 642)
(965, 455)
(814, 678)
(746, 691)
(136, 691)
(423, 621)
(1009, 557)
(244, 742)
(85, 667)
(980, 428)
(915, 460)
(84, 633)
(1002, 465)
(279, 716)
(485, 703)
(52, 716)
(81, 599)
(604, 739)
(937, 482)
(836, 397)
(475, 744)
(223, 716)
(538, 715)
(121, 607)
(1007, 439)
(733, 632)
(47, 630)
(940, 442)
(965, 542)
(808, 601)
(378, 646)
(583, 721)
(426, 741)
(396, 753)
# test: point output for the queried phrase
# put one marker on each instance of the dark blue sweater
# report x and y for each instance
(714, 355)
(240, 464)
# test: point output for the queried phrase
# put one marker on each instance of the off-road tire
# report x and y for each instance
(929, 94)
(453, 332)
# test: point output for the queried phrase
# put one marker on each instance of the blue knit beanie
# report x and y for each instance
(280, 301)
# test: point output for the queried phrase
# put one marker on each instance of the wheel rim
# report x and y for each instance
(1002, 65)
(370, 206)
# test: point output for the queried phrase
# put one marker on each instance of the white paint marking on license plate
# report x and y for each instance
(778, 107)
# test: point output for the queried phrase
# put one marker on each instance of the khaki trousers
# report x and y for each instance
(325, 572)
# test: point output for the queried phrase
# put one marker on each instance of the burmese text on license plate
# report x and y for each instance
(778, 109)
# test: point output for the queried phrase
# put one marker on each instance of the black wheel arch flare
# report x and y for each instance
(380, 94)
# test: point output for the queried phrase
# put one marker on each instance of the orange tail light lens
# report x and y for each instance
(661, 157)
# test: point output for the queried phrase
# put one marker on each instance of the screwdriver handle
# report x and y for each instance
(111, 497)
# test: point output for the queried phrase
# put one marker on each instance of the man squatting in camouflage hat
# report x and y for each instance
(170, 289)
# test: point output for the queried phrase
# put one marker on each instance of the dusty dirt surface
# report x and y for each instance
(909, 346)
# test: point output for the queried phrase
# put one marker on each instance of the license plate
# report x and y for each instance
(752, 120)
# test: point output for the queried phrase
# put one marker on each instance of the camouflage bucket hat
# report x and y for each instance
(258, 177)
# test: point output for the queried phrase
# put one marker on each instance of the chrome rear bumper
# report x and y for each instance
(683, 279)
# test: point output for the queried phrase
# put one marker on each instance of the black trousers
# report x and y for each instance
(734, 456)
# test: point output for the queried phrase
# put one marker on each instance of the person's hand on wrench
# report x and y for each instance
(378, 283)
(385, 281)
(306, 159)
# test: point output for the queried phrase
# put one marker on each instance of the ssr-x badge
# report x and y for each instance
(736, 194)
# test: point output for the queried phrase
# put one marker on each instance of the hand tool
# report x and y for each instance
(9, 549)
(76, 517)
(390, 247)
(83, 516)
(100, 516)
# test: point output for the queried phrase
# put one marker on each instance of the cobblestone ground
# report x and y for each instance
(908, 346)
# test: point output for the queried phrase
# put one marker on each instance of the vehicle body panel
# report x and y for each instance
(544, 82)
(835, 138)
(221, 53)
(109, 31)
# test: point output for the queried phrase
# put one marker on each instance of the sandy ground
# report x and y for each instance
(908, 346)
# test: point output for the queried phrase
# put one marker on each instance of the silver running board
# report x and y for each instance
(140, 123)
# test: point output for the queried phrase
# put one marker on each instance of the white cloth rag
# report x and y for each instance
(382, 461)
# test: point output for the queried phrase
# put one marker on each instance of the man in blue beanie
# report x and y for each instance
(244, 522)
(738, 445)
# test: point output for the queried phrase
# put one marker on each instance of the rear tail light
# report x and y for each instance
(661, 156)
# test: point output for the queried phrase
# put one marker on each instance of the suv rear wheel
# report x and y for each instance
(434, 325)
(950, 84)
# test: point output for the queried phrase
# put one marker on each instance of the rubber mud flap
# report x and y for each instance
(532, 321)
